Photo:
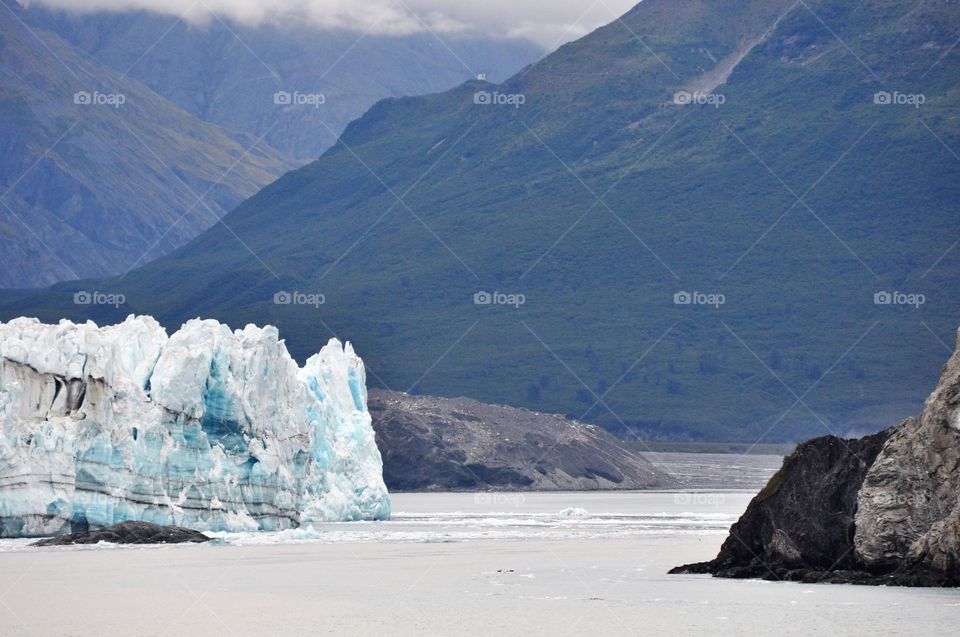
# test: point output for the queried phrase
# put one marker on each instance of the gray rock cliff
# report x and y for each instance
(909, 506)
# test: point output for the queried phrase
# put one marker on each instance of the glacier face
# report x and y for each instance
(212, 429)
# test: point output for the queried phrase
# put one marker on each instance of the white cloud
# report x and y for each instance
(547, 22)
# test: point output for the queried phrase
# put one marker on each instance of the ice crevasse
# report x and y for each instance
(212, 429)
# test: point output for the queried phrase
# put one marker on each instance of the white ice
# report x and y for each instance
(209, 429)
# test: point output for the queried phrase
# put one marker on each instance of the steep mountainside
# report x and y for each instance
(227, 73)
(769, 261)
(442, 443)
(99, 173)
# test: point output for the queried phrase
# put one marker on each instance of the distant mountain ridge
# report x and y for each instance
(227, 73)
(100, 174)
(134, 178)
(768, 261)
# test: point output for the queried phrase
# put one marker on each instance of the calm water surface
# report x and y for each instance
(452, 564)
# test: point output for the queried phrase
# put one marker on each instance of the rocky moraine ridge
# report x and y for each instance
(884, 509)
(431, 443)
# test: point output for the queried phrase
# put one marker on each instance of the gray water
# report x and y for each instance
(716, 470)
(452, 564)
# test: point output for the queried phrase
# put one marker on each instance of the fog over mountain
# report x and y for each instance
(743, 232)
(547, 23)
(479, 317)
(231, 73)
(199, 124)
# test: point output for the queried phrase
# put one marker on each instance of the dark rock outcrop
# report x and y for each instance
(430, 443)
(803, 519)
(128, 533)
(884, 509)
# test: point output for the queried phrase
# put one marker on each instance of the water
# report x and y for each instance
(716, 470)
(452, 564)
(453, 517)
(456, 517)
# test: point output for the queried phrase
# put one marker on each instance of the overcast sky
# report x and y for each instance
(547, 22)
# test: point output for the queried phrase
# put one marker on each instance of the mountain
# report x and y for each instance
(706, 221)
(98, 172)
(123, 185)
(879, 510)
(447, 444)
(228, 73)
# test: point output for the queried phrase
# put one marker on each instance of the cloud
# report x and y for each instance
(549, 23)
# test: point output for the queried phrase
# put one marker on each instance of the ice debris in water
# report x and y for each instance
(208, 428)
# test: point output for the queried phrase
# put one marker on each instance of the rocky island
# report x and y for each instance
(128, 533)
(884, 509)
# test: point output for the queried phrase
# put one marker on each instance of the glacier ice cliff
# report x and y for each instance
(212, 429)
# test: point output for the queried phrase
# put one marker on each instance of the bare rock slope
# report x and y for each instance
(909, 509)
(433, 443)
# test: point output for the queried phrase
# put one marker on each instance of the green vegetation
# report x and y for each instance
(692, 201)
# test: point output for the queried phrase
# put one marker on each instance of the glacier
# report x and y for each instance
(208, 428)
